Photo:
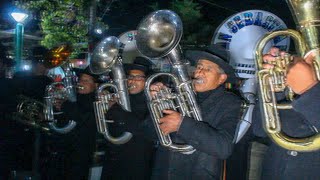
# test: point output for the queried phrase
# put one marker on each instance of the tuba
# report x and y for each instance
(307, 17)
(238, 34)
(158, 35)
(106, 57)
(59, 90)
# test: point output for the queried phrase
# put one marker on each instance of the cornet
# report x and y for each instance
(307, 17)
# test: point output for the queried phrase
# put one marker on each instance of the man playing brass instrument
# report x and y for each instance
(71, 153)
(212, 137)
(131, 160)
(301, 121)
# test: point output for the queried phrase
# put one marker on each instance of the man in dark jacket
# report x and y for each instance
(72, 153)
(301, 121)
(131, 160)
(212, 137)
(18, 147)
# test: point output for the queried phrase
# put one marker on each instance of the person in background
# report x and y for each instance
(71, 154)
(131, 160)
(19, 147)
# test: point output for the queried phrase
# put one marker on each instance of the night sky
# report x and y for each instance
(121, 20)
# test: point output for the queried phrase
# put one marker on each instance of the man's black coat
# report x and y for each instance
(72, 153)
(212, 139)
(301, 121)
(131, 160)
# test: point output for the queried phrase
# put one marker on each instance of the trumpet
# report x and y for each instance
(306, 14)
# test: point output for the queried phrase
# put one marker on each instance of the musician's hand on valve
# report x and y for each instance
(272, 56)
(113, 100)
(300, 76)
(170, 122)
(155, 88)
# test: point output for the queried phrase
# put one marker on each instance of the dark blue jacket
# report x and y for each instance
(212, 139)
(301, 121)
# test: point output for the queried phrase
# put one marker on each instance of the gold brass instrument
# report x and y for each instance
(106, 57)
(158, 35)
(307, 16)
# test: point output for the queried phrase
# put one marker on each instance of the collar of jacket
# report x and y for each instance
(202, 96)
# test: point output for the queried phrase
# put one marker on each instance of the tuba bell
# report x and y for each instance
(307, 17)
(106, 57)
(158, 35)
(238, 35)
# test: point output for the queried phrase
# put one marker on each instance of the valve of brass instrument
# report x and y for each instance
(279, 71)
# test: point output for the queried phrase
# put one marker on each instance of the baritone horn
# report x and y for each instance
(65, 90)
(307, 17)
(158, 35)
(106, 57)
(41, 115)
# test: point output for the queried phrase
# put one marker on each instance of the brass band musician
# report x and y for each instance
(212, 137)
(131, 160)
(301, 121)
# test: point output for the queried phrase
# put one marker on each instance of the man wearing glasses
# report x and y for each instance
(131, 160)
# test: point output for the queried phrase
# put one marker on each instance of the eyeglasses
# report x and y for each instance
(136, 77)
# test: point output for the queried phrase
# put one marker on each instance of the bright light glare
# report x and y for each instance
(26, 67)
(99, 31)
(19, 17)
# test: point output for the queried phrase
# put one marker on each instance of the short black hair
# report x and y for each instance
(140, 63)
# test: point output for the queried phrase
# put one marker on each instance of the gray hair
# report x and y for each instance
(221, 71)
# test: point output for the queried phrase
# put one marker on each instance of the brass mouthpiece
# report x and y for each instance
(197, 80)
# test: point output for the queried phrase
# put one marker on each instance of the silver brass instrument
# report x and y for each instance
(29, 113)
(158, 35)
(59, 90)
(106, 58)
(41, 114)
(165, 99)
(307, 16)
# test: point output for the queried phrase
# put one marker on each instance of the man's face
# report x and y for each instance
(88, 84)
(207, 76)
(136, 81)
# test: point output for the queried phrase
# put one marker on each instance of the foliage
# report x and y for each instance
(62, 21)
(196, 30)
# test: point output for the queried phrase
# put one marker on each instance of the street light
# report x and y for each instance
(19, 17)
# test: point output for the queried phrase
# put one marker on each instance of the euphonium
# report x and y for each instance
(106, 58)
(59, 90)
(29, 113)
(41, 114)
(180, 100)
(158, 35)
(307, 16)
